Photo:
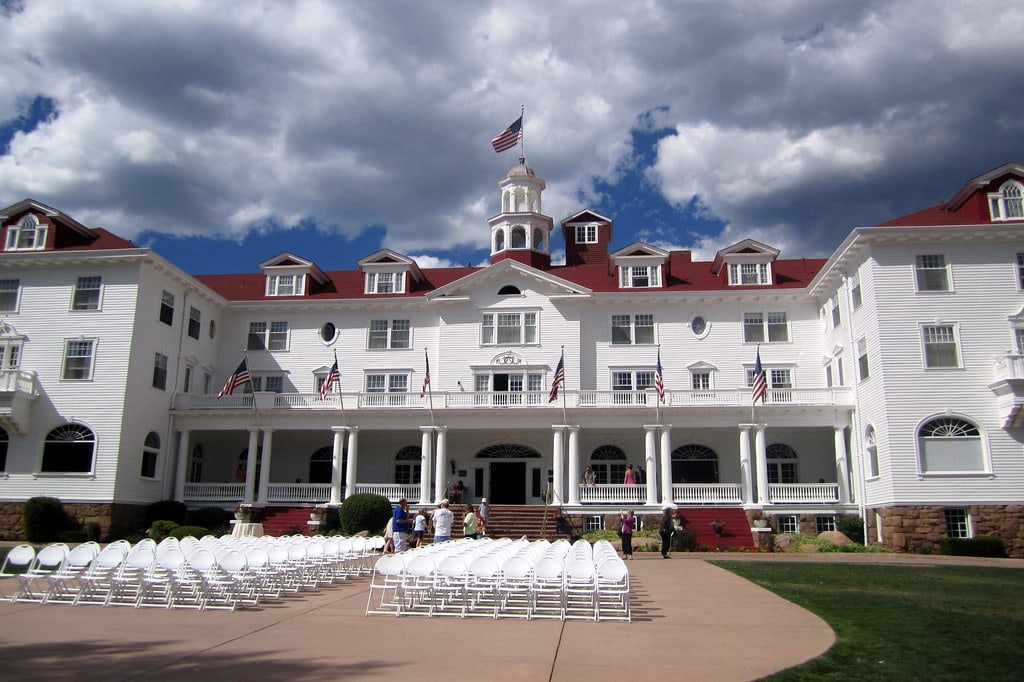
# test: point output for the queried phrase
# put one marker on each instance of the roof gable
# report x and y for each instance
(503, 268)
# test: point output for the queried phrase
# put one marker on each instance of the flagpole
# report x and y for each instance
(341, 396)
(565, 418)
(522, 131)
(657, 394)
(754, 402)
(430, 388)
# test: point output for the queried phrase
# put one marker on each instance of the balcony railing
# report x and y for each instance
(392, 491)
(706, 493)
(17, 381)
(1009, 366)
(613, 493)
(802, 493)
(214, 492)
(619, 400)
(319, 493)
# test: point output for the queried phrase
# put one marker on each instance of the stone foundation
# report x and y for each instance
(919, 530)
(115, 520)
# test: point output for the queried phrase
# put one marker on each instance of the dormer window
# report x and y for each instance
(285, 285)
(26, 235)
(385, 282)
(749, 273)
(639, 276)
(1008, 202)
(586, 234)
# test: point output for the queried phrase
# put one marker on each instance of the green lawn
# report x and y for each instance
(905, 623)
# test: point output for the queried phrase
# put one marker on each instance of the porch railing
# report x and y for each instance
(613, 493)
(214, 492)
(392, 491)
(706, 493)
(803, 492)
(319, 493)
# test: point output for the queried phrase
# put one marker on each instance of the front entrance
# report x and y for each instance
(508, 483)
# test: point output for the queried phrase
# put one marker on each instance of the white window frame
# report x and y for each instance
(769, 322)
(80, 300)
(271, 335)
(958, 522)
(951, 336)
(159, 371)
(586, 234)
(10, 352)
(641, 381)
(750, 274)
(286, 285)
(863, 364)
(195, 322)
(635, 276)
(153, 451)
(394, 384)
(166, 308)
(634, 326)
(702, 380)
(385, 282)
(871, 450)
(1020, 270)
(18, 234)
(927, 265)
(1008, 202)
(88, 371)
(958, 439)
(528, 327)
(837, 317)
(264, 383)
(10, 294)
(388, 335)
(856, 292)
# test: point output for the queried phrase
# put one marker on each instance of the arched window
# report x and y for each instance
(509, 290)
(608, 463)
(871, 449)
(693, 463)
(782, 464)
(150, 455)
(5, 441)
(950, 444)
(508, 451)
(407, 465)
(321, 466)
(499, 241)
(69, 448)
(195, 465)
(518, 240)
(538, 239)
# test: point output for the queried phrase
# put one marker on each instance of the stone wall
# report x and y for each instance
(115, 520)
(919, 530)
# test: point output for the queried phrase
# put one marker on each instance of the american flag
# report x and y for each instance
(509, 137)
(333, 377)
(558, 380)
(659, 380)
(426, 376)
(239, 378)
(760, 382)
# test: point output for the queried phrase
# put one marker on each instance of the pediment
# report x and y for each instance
(288, 263)
(389, 260)
(640, 250)
(748, 250)
(501, 271)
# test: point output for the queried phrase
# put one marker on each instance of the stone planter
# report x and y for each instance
(760, 523)
(242, 516)
(316, 517)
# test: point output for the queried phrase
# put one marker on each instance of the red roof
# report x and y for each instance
(969, 206)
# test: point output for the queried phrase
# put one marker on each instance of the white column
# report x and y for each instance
(558, 449)
(842, 466)
(666, 464)
(181, 470)
(337, 458)
(574, 464)
(761, 459)
(746, 465)
(265, 465)
(651, 462)
(250, 467)
(441, 448)
(353, 461)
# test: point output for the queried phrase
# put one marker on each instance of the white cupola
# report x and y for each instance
(521, 231)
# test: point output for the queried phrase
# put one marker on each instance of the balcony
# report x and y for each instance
(18, 390)
(534, 400)
(1009, 388)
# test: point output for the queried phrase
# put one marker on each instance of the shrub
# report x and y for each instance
(43, 518)
(208, 517)
(161, 529)
(72, 536)
(166, 510)
(852, 526)
(93, 532)
(684, 540)
(364, 511)
(194, 531)
(983, 545)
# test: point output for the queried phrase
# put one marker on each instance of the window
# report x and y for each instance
(194, 322)
(328, 332)
(285, 285)
(499, 240)
(195, 465)
(856, 297)
(507, 388)
(862, 359)
(639, 276)
(78, 359)
(509, 290)
(27, 235)
(1007, 203)
(828, 375)
(932, 273)
(150, 453)
(207, 383)
(788, 523)
(389, 334)
(950, 445)
(392, 387)
(836, 319)
(266, 383)
(699, 326)
(5, 441)
(608, 463)
(385, 282)
(68, 449)
(1020, 270)
(749, 273)
(632, 329)
(1018, 336)
(765, 327)
(503, 329)
(264, 336)
(407, 465)
(957, 523)
(782, 464)
(700, 381)
(167, 308)
(824, 524)
(630, 386)
(777, 380)
(321, 466)
(9, 294)
(186, 383)
(586, 234)
(86, 295)
(518, 237)
(871, 445)
(940, 347)
(160, 371)
(694, 463)
(594, 522)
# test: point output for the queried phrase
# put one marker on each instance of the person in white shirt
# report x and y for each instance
(419, 527)
(442, 522)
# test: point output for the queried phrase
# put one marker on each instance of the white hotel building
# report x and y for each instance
(894, 368)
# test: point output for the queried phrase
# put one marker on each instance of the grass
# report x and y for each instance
(905, 622)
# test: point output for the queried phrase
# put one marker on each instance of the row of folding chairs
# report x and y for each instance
(503, 579)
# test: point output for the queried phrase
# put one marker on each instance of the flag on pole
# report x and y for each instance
(509, 137)
(333, 377)
(659, 380)
(558, 380)
(426, 376)
(760, 382)
(239, 378)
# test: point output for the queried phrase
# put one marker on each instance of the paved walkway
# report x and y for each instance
(692, 620)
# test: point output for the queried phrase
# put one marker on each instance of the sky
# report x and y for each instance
(221, 133)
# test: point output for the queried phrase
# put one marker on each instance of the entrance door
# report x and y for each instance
(508, 483)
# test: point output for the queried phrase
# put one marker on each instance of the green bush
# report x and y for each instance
(194, 531)
(166, 510)
(93, 532)
(852, 526)
(161, 529)
(208, 517)
(684, 540)
(43, 518)
(983, 545)
(364, 511)
(72, 536)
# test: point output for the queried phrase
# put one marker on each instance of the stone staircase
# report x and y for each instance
(279, 521)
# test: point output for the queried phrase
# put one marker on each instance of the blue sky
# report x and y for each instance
(330, 129)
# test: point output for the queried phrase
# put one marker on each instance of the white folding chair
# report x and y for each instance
(514, 588)
(451, 587)
(126, 584)
(482, 587)
(95, 584)
(418, 586)
(65, 583)
(15, 563)
(547, 598)
(47, 563)
(580, 599)
(613, 600)
(386, 583)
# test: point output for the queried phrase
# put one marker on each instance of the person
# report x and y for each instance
(458, 491)
(469, 522)
(630, 478)
(401, 524)
(419, 527)
(441, 520)
(589, 477)
(665, 530)
(389, 536)
(240, 474)
(626, 522)
(485, 511)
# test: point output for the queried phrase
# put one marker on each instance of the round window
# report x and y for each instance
(328, 332)
(699, 326)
